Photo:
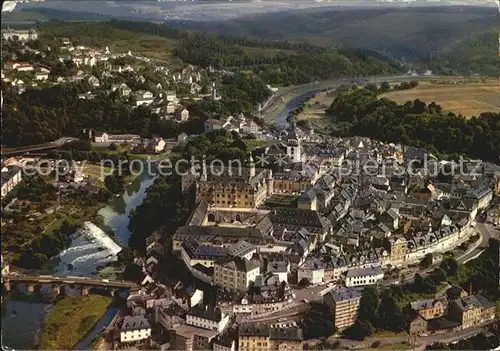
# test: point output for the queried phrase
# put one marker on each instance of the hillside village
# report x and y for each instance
(311, 218)
(165, 88)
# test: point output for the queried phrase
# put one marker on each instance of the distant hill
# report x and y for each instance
(276, 62)
(412, 34)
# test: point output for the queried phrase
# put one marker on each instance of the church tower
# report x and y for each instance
(251, 166)
(294, 149)
(270, 183)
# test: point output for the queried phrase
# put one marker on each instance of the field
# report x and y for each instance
(96, 171)
(99, 34)
(314, 109)
(70, 319)
(466, 99)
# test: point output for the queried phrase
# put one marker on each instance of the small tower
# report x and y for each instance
(270, 183)
(251, 166)
(204, 171)
(214, 92)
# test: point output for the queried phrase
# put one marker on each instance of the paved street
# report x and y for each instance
(421, 342)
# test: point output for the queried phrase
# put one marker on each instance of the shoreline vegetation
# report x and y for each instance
(41, 223)
(71, 319)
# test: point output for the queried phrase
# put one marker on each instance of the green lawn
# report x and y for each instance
(70, 319)
(255, 143)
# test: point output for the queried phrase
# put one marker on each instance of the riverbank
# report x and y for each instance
(287, 99)
(71, 319)
(43, 224)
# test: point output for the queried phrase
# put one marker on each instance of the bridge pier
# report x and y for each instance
(31, 287)
(6, 285)
(85, 291)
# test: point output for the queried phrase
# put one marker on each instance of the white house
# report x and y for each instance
(171, 95)
(170, 107)
(195, 296)
(11, 176)
(135, 328)
(364, 276)
(184, 115)
(22, 66)
(207, 317)
(41, 76)
(21, 35)
(143, 97)
(193, 253)
(116, 138)
(313, 270)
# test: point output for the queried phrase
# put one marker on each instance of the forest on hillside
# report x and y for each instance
(361, 112)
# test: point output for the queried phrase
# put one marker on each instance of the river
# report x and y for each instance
(22, 319)
(300, 92)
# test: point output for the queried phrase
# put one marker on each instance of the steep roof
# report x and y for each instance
(131, 323)
(206, 312)
(238, 264)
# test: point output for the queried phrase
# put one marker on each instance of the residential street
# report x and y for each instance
(421, 342)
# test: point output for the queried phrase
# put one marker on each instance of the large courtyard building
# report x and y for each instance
(234, 188)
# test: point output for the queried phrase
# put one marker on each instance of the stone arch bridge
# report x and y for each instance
(84, 283)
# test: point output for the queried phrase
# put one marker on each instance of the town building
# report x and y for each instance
(143, 97)
(193, 253)
(253, 337)
(364, 276)
(235, 273)
(116, 138)
(19, 34)
(418, 325)
(11, 176)
(135, 328)
(344, 303)
(430, 308)
(313, 271)
(286, 339)
(207, 317)
(188, 338)
(234, 188)
(471, 310)
(226, 342)
(256, 337)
